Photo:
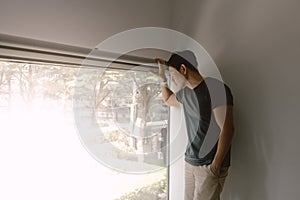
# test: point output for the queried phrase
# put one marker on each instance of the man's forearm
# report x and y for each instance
(224, 143)
(166, 93)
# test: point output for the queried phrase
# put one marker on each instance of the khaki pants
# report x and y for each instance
(202, 184)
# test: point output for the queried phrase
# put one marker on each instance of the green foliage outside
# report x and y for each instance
(156, 191)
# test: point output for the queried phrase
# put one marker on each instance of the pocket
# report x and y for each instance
(223, 172)
(208, 171)
(211, 172)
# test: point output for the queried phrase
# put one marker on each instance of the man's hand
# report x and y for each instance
(215, 169)
(161, 69)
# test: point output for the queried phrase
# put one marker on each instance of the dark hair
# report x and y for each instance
(186, 57)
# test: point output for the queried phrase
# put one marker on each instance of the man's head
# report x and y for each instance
(181, 65)
(186, 58)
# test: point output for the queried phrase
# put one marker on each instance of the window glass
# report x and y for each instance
(40, 145)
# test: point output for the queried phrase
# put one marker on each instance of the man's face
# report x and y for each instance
(178, 78)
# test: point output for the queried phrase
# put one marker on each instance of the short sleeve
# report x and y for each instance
(220, 94)
(179, 95)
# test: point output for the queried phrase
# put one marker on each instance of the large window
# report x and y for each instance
(43, 108)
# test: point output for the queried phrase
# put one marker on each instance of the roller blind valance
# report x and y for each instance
(18, 49)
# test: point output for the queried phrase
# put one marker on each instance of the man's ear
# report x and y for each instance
(183, 69)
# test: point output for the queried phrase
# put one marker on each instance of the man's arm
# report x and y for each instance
(168, 96)
(224, 118)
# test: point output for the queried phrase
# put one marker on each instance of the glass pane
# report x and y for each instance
(119, 117)
(127, 127)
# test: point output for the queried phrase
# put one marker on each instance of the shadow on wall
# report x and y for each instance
(252, 147)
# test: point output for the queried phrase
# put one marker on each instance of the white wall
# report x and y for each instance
(79, 22)
(255, 44)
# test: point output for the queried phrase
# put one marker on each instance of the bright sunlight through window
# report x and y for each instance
(42, 156)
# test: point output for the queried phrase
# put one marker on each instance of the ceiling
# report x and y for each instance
(82, 23)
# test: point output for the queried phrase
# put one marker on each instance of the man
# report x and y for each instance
(208, 110)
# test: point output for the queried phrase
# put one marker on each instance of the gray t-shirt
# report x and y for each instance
(202, 128)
